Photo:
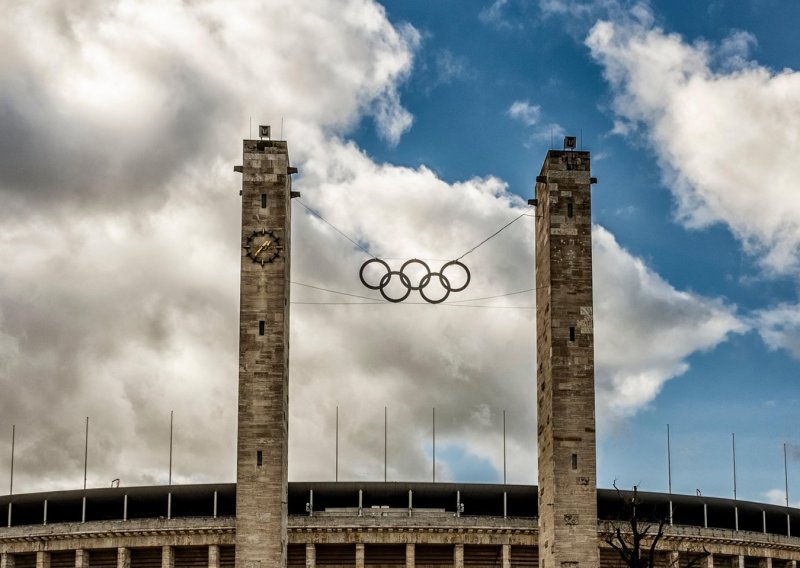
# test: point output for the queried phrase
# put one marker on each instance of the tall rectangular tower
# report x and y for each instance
(565, 364)
(262, 450)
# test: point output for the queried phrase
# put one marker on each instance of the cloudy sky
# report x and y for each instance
(418, 128)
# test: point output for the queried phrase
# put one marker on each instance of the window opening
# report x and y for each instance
(261, 327)
(259, 458)
(264, 201)
(572, 334)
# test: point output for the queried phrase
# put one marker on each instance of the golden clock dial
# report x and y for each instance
(264, 247)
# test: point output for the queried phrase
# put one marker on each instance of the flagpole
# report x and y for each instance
(669, 474)
(13, 439)
(735, 505)
(434, 444)
(86, 454)
(171, 413)
(385, 446)
(337, 444)
(504, 447)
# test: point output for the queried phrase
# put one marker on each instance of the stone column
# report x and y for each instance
(674, 559)
(123, 558)
(789, 564)
(6, 560)
(359, 555)
(167, 557)
(411, 561)
(458, 556)
(506, 556)
(262, 441)
(765, 563)
(738, 561)
(81, 558)
(710, 561)
(213, 556)
(565, 363)
(42, 559)
(311, 555)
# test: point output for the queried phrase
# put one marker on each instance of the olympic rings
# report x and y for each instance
(466, 271)
(420, 285)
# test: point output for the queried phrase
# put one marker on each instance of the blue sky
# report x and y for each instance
(418, 129)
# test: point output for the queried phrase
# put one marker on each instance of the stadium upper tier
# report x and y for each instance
(342, 499)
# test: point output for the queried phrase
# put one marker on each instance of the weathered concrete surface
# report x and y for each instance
(565, 364)
(198, 531)
(315, 531)
(262, 489)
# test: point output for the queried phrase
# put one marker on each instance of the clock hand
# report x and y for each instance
(262, 247)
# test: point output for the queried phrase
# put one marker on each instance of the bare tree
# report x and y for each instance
(636, 544)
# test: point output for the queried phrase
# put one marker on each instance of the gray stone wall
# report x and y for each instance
(508, 535)
(262, 484)
(565, 364)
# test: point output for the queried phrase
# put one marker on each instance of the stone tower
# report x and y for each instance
(565, 364)
(262, 450)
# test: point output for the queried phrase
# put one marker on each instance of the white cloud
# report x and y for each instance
(451, 67)
(724, 129)
(530, 115)
(120, 242)
(572, 8)
(779, 327)
(471, 363)
(493, 14)
(778, 497)
(525, 112)
(645, 329)
(134, 76)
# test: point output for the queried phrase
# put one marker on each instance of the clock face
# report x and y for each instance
(264, 247)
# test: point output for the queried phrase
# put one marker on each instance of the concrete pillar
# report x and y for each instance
(6, 560)
(311, 555)
(213, 556)
(739, 561)
(359, 555)
(167, 557)
(123, 558)
(81, 558)
(789, 564)
(42, 559)
(674, 559)
(565, 363)
(506, 556)
(765, 563)
(262, 442)
(411, 561)
(709, 563)
(458, 556)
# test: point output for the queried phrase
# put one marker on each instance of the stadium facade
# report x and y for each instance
(265, 521)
